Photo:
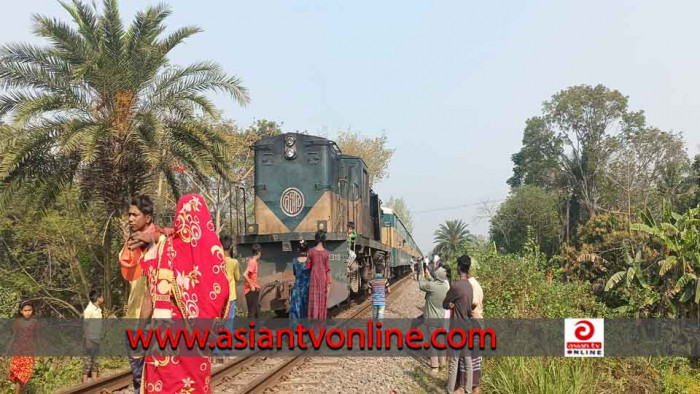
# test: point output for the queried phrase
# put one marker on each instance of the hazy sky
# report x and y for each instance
(450, 83)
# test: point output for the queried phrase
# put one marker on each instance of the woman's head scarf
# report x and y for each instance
(196, 259)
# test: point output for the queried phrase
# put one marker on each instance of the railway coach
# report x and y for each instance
(303, 184)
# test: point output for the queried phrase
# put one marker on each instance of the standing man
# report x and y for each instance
(433, 313)
(92, 316)
(478, 312)
(460, 299)
(139, 247)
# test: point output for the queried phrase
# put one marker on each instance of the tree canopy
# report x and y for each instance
(398, 205)
(527, 206)
(449, 236)
(373, 150)
(101, 107)
(102, 102)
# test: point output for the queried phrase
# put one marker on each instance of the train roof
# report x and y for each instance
(261, 143)
(389, 211)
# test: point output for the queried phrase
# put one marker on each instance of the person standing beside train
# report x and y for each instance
(320, 279)
(251, 287)
(299, 302)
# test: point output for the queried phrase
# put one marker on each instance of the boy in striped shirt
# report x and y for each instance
(380, 288)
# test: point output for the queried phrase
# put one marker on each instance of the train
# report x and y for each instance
(303, 184)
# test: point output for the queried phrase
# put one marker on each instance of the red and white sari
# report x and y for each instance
(186, 282)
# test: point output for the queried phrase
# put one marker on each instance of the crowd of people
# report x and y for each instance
(188, 272)
(447, 304)
(178, 274)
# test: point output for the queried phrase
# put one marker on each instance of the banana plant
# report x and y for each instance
(678, 239)
(639, 292)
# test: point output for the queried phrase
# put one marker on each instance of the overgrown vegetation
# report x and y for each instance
(516, 286)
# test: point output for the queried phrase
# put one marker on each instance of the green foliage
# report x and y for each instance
(450, 236)
(102, 103)
(398, 205)
(676, 265)
(608, 375)
(52, 257)
(516, 287)
(537, 163)
(527, 207)
(598, 156)
(604, 240)
(515, 375)
(54, 373)
(373, 151)
(102, 107)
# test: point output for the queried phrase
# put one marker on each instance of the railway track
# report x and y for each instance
(246, 374)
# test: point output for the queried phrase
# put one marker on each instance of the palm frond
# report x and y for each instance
(176, 38)
(110, 25)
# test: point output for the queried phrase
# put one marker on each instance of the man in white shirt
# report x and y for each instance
(478, 312)
(93, 333)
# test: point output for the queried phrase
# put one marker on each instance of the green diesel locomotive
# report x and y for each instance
(303, 184)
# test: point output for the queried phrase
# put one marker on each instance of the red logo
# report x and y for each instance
(585, 331)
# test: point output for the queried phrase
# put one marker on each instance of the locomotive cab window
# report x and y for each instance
(312, 157)
(267, 158)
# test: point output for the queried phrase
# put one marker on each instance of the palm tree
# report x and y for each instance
(449, 236)
(102, 106)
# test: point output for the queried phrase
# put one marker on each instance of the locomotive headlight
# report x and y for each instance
(290, 141)
(290, 153)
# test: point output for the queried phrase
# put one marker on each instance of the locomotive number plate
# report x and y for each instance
(292, 202)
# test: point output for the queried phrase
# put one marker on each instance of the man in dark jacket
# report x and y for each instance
(459, 299)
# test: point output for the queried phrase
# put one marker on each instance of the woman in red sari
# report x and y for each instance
(320, 280)
(186, 281)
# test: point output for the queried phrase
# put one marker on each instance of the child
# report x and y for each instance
(24, 336)
(380, 287)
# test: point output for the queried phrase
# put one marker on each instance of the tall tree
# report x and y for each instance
(101, 104)
(449, 236)
(373, 150)
(527, 206)
(584, 118)
(398, 205)
(537, 162)
(591, 148)
(648, 166)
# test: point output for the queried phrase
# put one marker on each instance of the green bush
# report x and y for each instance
(515, 287)
(53, 373)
